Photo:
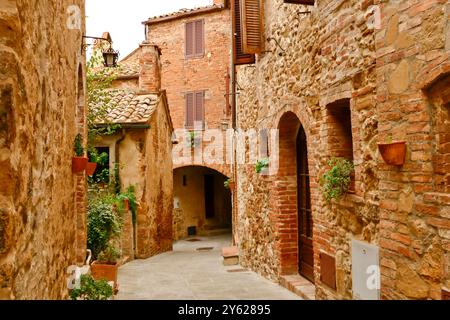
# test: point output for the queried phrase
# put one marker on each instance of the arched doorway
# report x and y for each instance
(305, 222)
(295, 223)
(202, 203)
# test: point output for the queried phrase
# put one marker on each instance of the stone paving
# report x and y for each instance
(189, 274)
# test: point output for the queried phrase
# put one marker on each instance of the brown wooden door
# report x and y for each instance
(305, 223)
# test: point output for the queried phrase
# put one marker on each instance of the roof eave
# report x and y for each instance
(183, 15)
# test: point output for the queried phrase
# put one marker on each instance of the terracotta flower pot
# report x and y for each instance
(126, 204)
(231, 185)
(393, 153)
(90, 168)
(79, 164)
(103, 271)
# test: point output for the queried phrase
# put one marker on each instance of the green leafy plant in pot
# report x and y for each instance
(91, 289)
(337, 180)
(262, 165)
(104, 227)
(229, 184)
(96, 159)
(79, 161)
(127, 201)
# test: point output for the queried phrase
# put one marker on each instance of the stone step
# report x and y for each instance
(300, 286)
(230, 256)
(214, 232)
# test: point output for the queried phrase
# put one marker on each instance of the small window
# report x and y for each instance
(195, 113)
(304, 2)
(195, 39)
(264, 143)
(340, 139)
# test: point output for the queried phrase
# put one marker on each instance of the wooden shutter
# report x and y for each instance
(199, 109)
(190, 28)
(252, 26)
(239, 56)
(190, 110)
(305, 2)
(199, 38)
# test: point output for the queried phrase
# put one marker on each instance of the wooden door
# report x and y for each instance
(305, 223)
(209, 196)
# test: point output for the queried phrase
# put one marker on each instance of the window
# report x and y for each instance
(340, 140)
(195, 39)
(195, 113)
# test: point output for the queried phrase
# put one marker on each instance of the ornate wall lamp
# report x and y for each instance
(110, 56)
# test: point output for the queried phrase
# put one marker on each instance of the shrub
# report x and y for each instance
(336, 181)
(91, 289)
(78, 146)
(103, 223)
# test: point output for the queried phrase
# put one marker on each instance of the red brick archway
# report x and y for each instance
(285, 196)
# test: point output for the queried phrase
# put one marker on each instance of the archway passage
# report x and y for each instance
(202, 204)
(305, 222)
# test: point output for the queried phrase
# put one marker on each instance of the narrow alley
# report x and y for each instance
(188, 273)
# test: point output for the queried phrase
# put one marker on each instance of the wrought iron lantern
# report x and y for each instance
(110, 56)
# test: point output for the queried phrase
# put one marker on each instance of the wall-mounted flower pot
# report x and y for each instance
(79, 164)
(231, 185)
(393, 153)
(126, 204)
(90, 168)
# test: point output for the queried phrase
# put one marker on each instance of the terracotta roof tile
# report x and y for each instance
(183, 12)
(129, 107)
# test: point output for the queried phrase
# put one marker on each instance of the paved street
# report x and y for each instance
(187, 273)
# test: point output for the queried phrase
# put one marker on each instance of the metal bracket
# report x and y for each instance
(277, 44)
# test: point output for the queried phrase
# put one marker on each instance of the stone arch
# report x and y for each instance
(201, 201)
(220, 168)
(286, 218)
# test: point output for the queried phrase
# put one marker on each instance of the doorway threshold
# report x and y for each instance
(299, 285)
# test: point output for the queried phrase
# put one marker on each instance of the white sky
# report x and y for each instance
(123, 18)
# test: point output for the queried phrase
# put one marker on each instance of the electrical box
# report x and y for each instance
(365, 271)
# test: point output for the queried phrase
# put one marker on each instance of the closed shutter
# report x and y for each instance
(199, 38)
(190, 26)
(252, 26)
(189, 110)
(199, 109)
(239, 56)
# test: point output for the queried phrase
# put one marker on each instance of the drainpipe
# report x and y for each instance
(234, 126)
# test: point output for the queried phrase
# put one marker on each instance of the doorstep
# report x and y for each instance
(230, 256)
(299, 285)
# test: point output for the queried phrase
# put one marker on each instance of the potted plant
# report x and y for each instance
(91, 289)
(229, 184)
(106, 265)
(104, 227)
(96, 159)
(393, 153)
(337, 180)
(79, 161)
(127, 201)
(262, 165)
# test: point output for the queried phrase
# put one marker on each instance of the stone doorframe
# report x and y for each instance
(284, 192)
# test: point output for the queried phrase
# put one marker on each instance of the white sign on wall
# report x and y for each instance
(365, 271)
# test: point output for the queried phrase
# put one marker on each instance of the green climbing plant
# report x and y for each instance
(336, 181)
(91, 289)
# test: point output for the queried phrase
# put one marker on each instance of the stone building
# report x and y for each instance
(336, 78)
(141, 150)
(42, 109)
(195, 45)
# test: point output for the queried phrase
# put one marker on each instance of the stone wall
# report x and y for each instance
(323, 58)
(154, 220)
(413, 70)
(41, 72)
(338, 57)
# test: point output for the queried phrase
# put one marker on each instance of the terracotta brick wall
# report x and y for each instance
(181, 75)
